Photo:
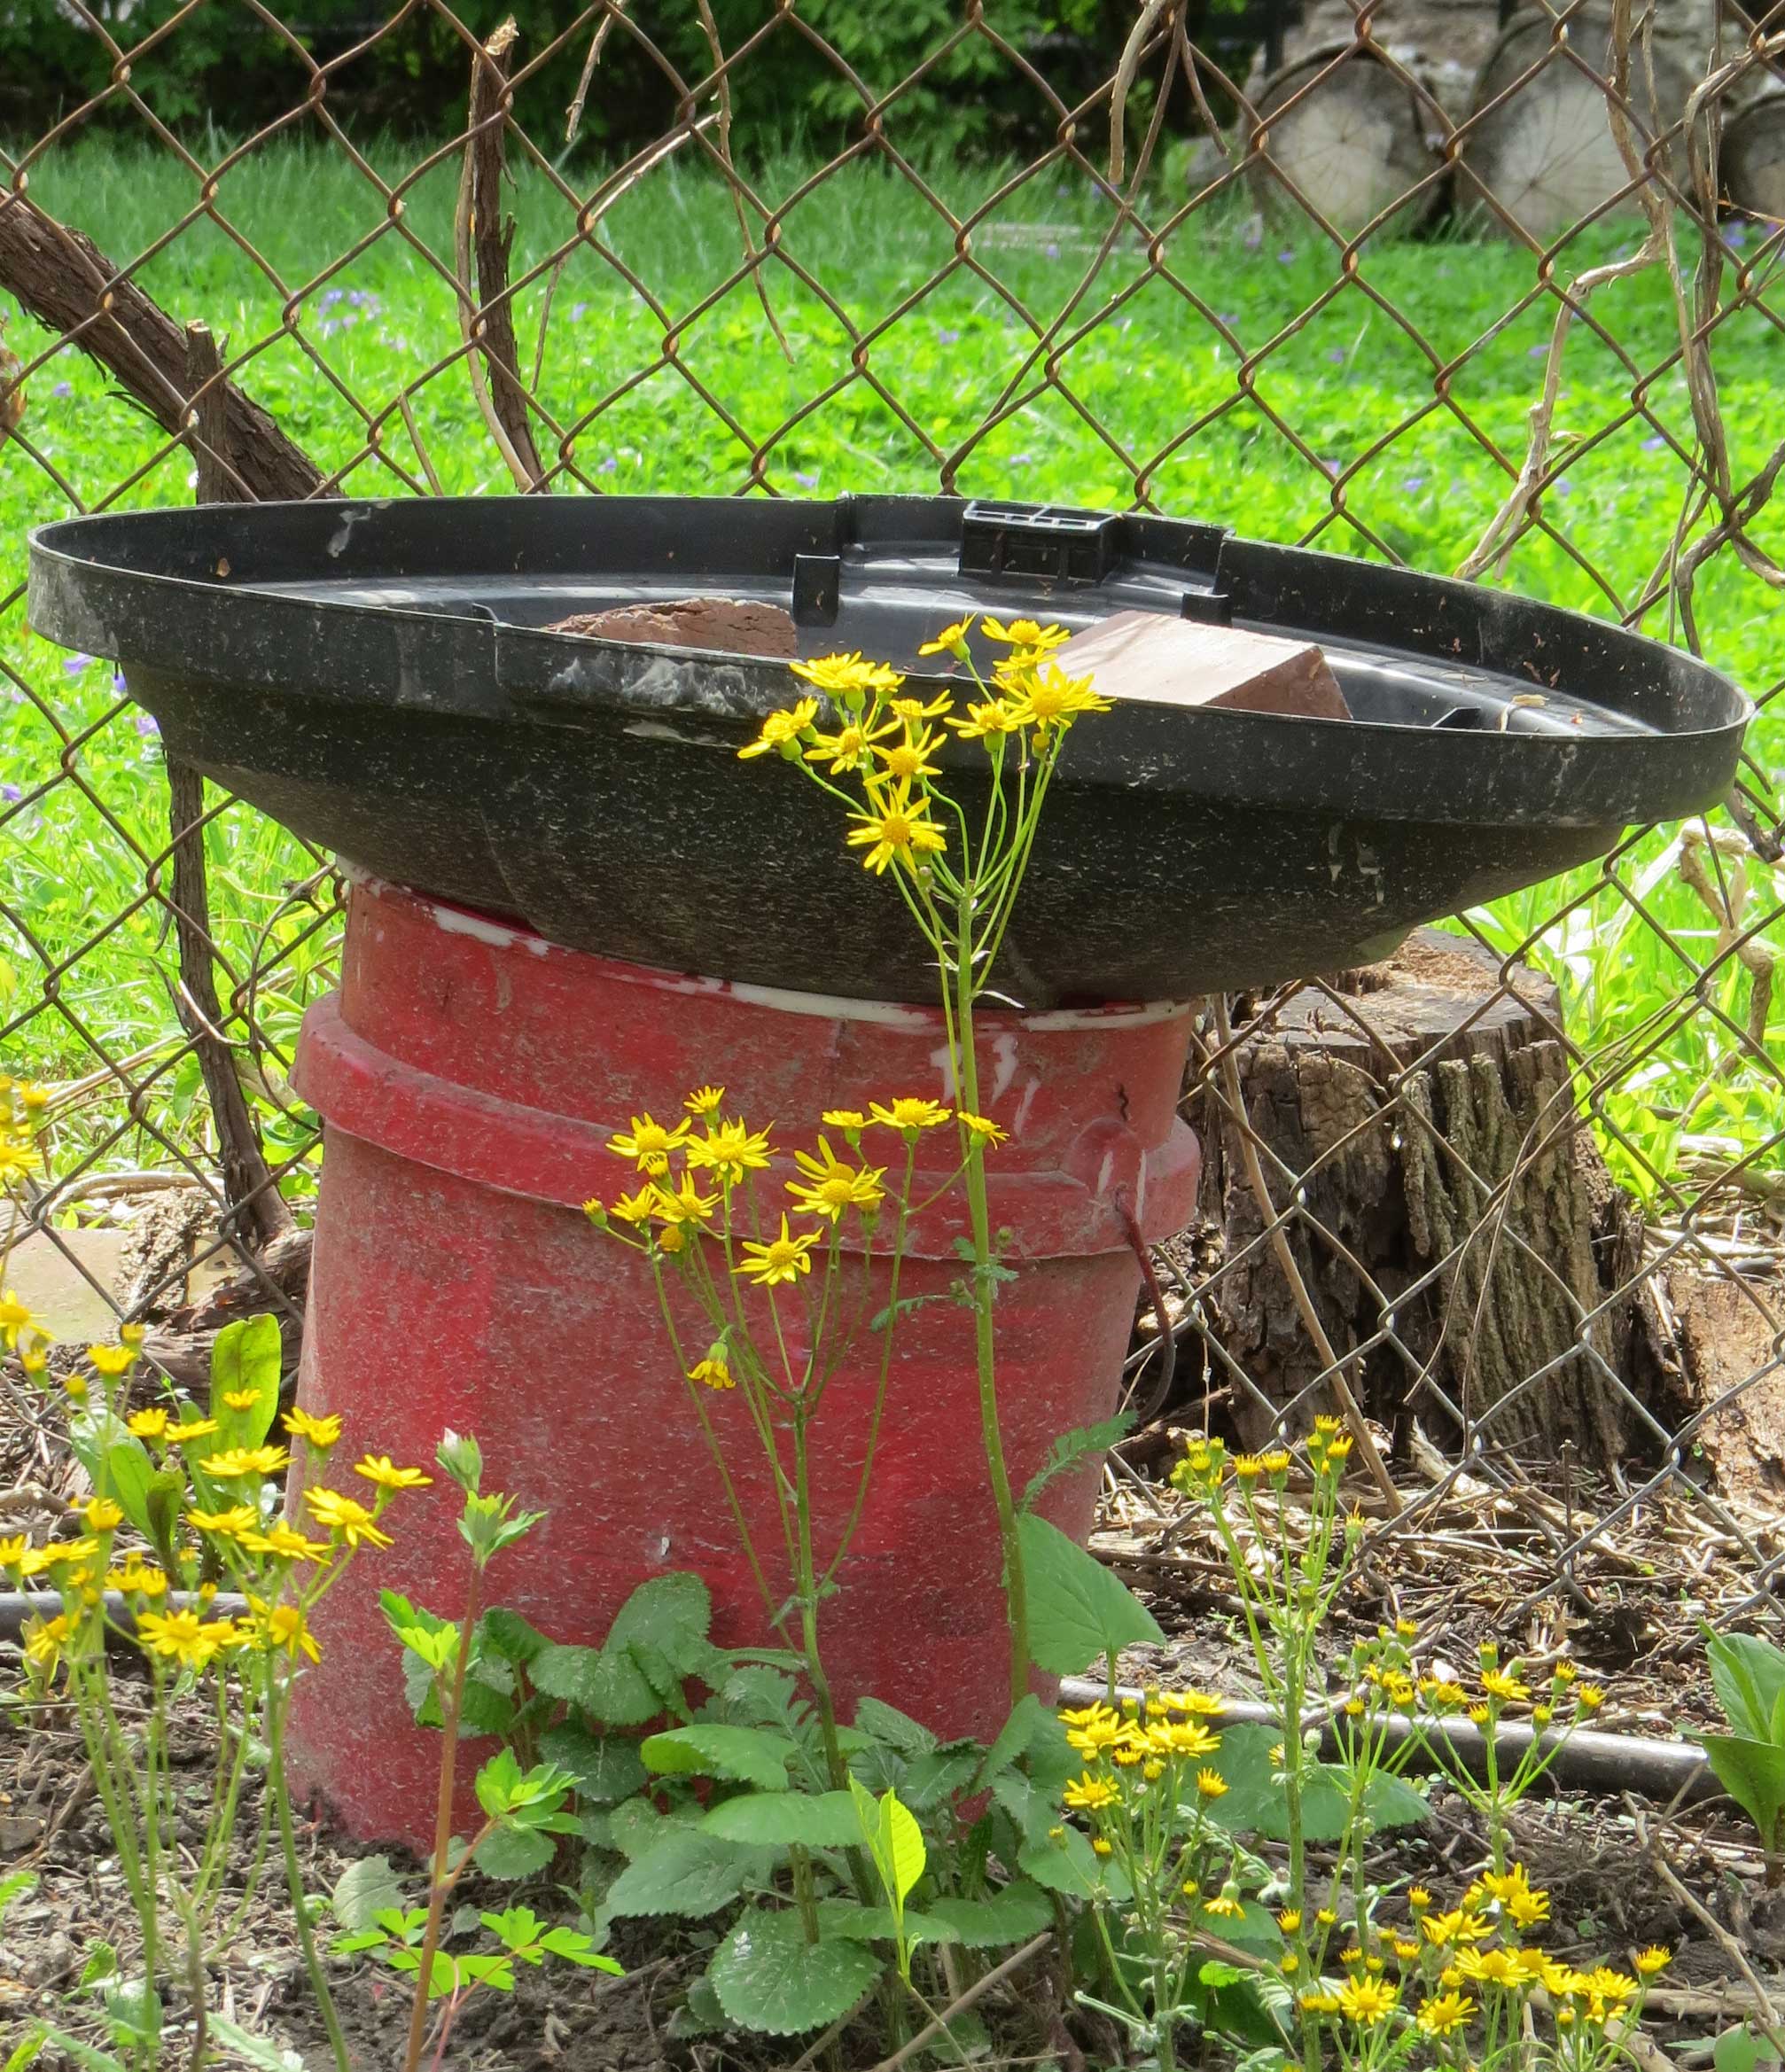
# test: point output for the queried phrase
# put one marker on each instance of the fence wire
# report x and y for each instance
(1454, 282)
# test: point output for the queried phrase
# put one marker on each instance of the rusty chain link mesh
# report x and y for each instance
(1357, 316)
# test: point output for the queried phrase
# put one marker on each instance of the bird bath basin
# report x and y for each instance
(376, 676)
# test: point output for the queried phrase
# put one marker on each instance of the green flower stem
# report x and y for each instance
(294, 1878)
(437, 1883)
(967, 1082)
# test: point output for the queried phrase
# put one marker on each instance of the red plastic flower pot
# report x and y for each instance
(470, 1075)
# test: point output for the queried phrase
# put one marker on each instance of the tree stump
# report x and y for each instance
(1485, 1093)
(1358, 129)
(1753, 156)
(1543, 157)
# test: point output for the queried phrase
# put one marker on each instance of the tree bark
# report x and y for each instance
(1429, 1108)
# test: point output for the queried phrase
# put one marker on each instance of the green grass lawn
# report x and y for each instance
(1254, 387)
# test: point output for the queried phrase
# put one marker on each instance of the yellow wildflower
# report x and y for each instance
(229, 1524)
(1652, 1959)
(1089, 1795)
(895, 829)
(77, 1386)
(1367, 2000)
(45, 1638)
(102, 1514)
(1446, 2014)
(1247, 1468)
(712, 1373)
(1605, 1984)
(847, 749)
(377, 1467)
(705, 1101)
(831, 1187)
(277, 1628)
(195, 1428)
(783, 1258)
(284, 1543)
(63, 1554)
(240, 1399)
(952, 640)
(1226, 1905)
(728, 1150)
(993, 719)
(1100, 1846)
(1418, 1899)
(649, 1143)
(636, 1208)
(1320, 2002)
(1289, 1919)
(237, 1462)
(1407, 1628)
(1511, 1970)
(1405, 1951)
(338, 1513)
(15, 1317)
(982, 1126)
(149, 1424)
(320, 1432)
(1211, 1784)
(1501, 1685)
(843, 675)
(1024, 632)
(1276, 1463)
(907, 760)
(845, 1118)
(782, 730)
(910, 1112)
(136, 1579)
(183, 1637)
(111, 1360)
(1589, 1697)
(1049, 698)
(13, 1549)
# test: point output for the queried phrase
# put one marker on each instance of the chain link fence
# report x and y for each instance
(1451, 283)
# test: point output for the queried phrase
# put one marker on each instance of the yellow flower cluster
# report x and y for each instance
(886, 741)
(688, 1168)
(23, 1108)
(1467, 1959)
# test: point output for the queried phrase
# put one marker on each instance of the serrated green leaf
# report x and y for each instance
(505, 1633)
(363, 1889)
(1741, 2050)
(15, 1886)
(257, 2049)
(770, 1979)
(1072, 1447)
(606, 1683)
(896, 1729)
(1068, 1864)
(687, 1871)
(672, 1614)
(515, 1852)
(606, 1767)
(83, 2054)
(1012, 1914)
(1013, 1737)
(934, 1779)
(815, 1820)
(880, 1924)
(741, 1755)
(246, 1356)
(1078, 1610)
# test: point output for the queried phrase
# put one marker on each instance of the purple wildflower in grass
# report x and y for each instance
(63, 388)
(1254, 236)
(118, 684)
(1286, 257)
(147, 726)
(1021, 460)
(1655, 445)
(73, 665)
(806, 481)
(948, 337)
(11, 793)
(330, 297)
(608, 466)
(1413, 483)
(1338, 355)
(1536, 352)
(576, 310)
(1563, 486)
(1736, 235)
(1334, 468)
(1052, 251)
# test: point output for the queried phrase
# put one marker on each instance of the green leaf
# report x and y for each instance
(606, 1767)
(606, 1683)
(689, 1872)
(880, 1924)
(515, 1852)
(257, 2049)
(816, 1820)
(933, 1778)
(1078, 1610)
(15, 1887)
(1013, 1737)
(1748, 1675)
(1012, 1914)
(246, 1355)
(896, 1841)
(1070, 1864)
(1072, 1447)
(1753, 1773)
(770, 1979)
(499, 1782)
(892, 1727)
(743, 1755)
(574, 1947)
(83, 2054)
(671, 1614)
(27, 2050)
(363, 1889)
(128, 1472)
(1741, 2050)
(505, 1633)
(1391, 1802)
